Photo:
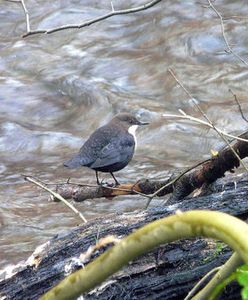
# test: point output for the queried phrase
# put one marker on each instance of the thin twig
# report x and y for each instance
(25, 12)
(26, 15)
(234, 17)
(220, 134)
(229, 49)
(151, 196)
(112, 6)
(56, 195)
(181, 85)
(88, 185)
(197, 120)
(209, 121)
(239, 106)
(200, 282)
(85, 23)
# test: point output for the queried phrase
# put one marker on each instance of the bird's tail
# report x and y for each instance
(73, 163)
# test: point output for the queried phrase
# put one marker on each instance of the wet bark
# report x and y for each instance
(168, 272)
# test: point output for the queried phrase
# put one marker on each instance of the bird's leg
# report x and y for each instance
(102, 183)
(97, 179)
(116, 181)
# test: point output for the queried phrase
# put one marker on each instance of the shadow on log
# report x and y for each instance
(168, 272)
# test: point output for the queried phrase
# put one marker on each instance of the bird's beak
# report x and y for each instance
(143, 123)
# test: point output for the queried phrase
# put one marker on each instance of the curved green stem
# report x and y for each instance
(196, 223)
(214, 286)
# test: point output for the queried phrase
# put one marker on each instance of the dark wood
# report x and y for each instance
(168, 272)
(211, 170)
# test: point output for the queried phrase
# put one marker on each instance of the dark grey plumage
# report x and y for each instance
(110, 148)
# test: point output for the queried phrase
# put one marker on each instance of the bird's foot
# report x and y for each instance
(104, 183)
(108, 184)
(111, 185)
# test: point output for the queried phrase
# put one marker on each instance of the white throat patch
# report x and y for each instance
(132, 130)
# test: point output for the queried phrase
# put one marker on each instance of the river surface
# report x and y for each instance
(56, 89)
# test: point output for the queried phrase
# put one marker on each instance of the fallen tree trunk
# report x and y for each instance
(168, 272)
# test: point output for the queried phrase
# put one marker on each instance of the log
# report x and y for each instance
(168, 272)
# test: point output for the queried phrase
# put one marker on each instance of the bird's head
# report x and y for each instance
(128, 121)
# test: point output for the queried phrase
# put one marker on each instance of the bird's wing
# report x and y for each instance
(74, 162)
(117, 150)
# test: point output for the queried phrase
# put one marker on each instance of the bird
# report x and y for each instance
(110, 148)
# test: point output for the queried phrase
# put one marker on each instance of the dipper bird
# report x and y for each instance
(110, 148)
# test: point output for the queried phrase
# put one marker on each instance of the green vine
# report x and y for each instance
(217, 225)
(241, 276)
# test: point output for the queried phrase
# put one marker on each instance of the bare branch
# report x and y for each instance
(199, 121)
(86, 23)
(26, 15)
(222, 136)
(239, 106)
(25, 12)
(229, 49)
(172, 182)
(112, 6)
(56, 195)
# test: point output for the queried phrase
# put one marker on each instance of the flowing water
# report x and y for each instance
(56, 89)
